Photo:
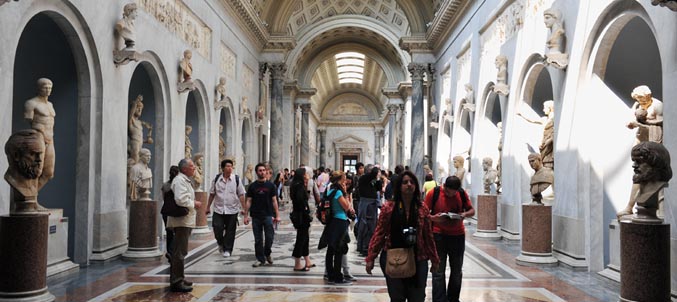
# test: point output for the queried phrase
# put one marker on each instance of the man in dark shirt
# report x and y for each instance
(369, 186)
(261, 205)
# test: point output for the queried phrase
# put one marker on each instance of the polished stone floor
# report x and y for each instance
(490, 274)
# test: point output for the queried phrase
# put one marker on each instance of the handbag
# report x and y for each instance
(400, 263)
(170, 208)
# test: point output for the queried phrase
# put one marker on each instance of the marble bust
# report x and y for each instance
(671, 4)
(197, 178)
(459, 161)
(125, 26)
(249, 173)
(141, 177)
(25, 150)
(651, 165)
(489, 174)
(39, 112)
(188, 150)
(555, 55)
(186, 67)
(542, 179)
(501, 87)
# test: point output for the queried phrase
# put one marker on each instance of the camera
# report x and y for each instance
(409, 236)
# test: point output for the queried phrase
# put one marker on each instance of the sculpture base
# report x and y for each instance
(201, 214)
(486, 217)
(142, 234)
(124, 56)
(502, 89)
(645, 260)
(23, 258)
(185, 86)
(557, 59)
(536, 235)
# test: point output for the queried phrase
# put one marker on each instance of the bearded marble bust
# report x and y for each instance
(25, 150)
(651, 164)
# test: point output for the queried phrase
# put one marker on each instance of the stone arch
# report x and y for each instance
(623, 24)
(197, 116)
(535, 87)
(247, 147)
(81, 95)
(486, 133)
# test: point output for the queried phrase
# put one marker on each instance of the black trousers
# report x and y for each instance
(406, 289)
(224, 226)
(302, 242)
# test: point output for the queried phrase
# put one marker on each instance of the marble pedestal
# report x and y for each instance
(57, 245)
(486, 217)
(536, 236)
(645, 262)
(201, 217)
(23, 258)
(613, 269)
(143, 243)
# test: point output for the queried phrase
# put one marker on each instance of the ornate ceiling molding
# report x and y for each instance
(280, 43)
(445, 20)
(417, 43)
(247, 17)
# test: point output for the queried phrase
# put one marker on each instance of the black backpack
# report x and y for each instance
(436, 195)
(323, 211)
(237, 180)
(169, 206)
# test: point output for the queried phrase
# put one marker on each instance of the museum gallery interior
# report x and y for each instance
(554, 114)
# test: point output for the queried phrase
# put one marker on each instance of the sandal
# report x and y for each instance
(312, 265)
(303, 269)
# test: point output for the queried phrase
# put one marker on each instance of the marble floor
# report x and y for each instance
(490, 274)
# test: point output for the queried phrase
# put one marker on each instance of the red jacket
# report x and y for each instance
(425, 244)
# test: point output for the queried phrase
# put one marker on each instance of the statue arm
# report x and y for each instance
(539, 122)
(29, 111)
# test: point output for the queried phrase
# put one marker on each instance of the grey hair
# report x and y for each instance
(184, 163)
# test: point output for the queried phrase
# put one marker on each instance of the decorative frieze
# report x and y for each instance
(181, 21)
(227, 61)
(503, 27)
(247, 77)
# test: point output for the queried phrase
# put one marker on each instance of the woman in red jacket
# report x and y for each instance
(399, 220)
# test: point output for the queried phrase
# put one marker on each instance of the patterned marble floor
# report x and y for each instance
(490, 274)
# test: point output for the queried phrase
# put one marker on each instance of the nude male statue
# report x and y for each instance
(135, 130)
(25, 150)
(546, 148)
(39, 111)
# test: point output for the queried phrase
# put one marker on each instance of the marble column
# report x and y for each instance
(305, 133)
(400, 152)
(323, 135)
(377, 146)
(417, 123)
(277, 71)
(392, 141)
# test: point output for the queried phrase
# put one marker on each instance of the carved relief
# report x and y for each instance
(247, 77)
(350, 109)
(504, 27)
(181, 21)
(227, 61)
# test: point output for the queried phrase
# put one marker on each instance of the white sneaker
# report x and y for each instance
(226, 254)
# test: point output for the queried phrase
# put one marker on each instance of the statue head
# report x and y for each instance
(222, 81)
(189, 129)
(220, 128)
(548, 106)
(468, 87)
(187, 54)
(487, 162)
(535, 161)
(650, 162)
(129, 11)
(501, 61)
(197, 159)
(551, 16)
(137, 106)
(44, 87)
(144, 155)
(24, 150)
(458, 161)
(642, 94)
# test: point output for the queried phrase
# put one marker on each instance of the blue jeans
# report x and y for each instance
(366, 222)
(259, 225)
(452, 247)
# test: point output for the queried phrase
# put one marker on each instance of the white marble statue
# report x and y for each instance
(198, 176)
(39, 112)
(546, 148)
(25, 150)
(188, 150)
(489, 174)
(135, 130)
(141, 177)
(244, 108)
(185, 79)
(125, 26)
(500, 155)
(221, 90)
(459, 162)
(501, 87)
(555, 55)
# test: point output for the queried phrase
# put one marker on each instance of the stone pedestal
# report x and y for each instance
(613, 269)
(143, 243)
(536, 236)
(645, 262)
(23, 258)
(486, 217)
(57, 244)
(201, 226)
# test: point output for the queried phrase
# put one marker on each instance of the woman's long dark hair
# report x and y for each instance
(297, 182)
(398, 212)
(173, 172)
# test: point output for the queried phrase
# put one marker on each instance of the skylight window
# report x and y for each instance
(350, 67)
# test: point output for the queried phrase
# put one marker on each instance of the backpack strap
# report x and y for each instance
(216, 178)
(436, 195)
(237, 182)
(464, 199)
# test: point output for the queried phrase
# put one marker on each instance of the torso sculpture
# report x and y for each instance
(188, 149)
(40, 113)
(141, 177)
(541, 180)
(125, 26)
(489, 174)
(199, 172)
